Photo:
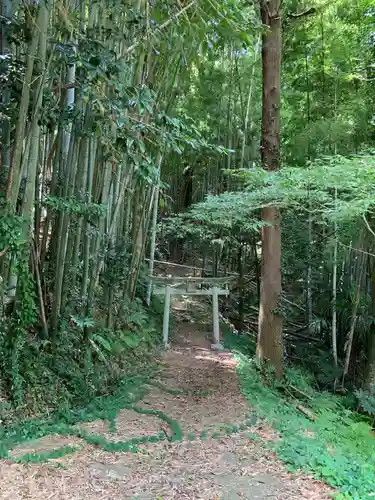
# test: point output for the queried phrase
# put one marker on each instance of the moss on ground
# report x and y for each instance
(65, 423)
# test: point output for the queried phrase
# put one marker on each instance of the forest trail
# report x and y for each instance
(202, 395)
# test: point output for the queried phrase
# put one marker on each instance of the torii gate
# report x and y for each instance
(169, 286)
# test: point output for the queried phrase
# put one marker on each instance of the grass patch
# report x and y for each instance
(337, 447)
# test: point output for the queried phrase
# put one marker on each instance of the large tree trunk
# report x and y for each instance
(270, 345)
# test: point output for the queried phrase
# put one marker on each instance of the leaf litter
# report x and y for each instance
(204, 395)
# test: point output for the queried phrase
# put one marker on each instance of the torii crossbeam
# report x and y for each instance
(176, 285)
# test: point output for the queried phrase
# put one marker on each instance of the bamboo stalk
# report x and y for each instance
(14, 180)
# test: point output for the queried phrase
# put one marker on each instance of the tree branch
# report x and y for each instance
(307, 12)
(174, 17)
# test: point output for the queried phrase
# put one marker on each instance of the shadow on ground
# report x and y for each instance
(203, 395)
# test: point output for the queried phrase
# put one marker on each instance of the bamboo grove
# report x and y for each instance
(87, 119)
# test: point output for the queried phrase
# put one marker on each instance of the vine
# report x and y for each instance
(106, 408)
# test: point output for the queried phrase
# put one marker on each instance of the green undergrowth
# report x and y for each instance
(64, 422)
(128, 395)
(85, 359)
(332, 442)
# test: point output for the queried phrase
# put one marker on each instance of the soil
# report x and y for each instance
(227, 468)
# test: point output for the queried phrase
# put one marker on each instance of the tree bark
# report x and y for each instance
(270, 342)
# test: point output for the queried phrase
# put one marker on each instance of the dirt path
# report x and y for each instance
(198, 467)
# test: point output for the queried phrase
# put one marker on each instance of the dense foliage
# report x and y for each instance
(89, 117)
(325, 188)
(131, 129)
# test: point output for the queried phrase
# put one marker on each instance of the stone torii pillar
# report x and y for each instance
(188, 286)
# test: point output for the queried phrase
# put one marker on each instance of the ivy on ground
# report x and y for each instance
(337, 446)
(126, 396)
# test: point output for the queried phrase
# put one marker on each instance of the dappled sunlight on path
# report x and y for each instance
(198, 388)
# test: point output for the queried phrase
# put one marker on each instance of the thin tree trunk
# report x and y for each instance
(33, 158)
(241, 276)
(309, 301)
(249, 101)
(270, 342)
(334, 272)
(15, 175)
(153, 232)
(5, 98)
(349, 341)
(369, 383)
(334, 295)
